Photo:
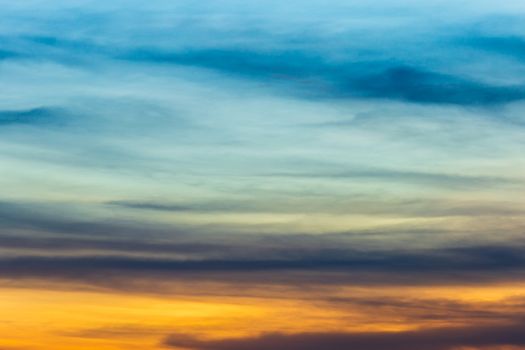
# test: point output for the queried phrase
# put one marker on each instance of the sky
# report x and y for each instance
(255, 175)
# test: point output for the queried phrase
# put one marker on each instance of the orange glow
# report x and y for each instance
(74, 319)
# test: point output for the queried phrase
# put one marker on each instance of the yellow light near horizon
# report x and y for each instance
(63, 319)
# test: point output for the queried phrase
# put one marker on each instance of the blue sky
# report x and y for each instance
(242, 114)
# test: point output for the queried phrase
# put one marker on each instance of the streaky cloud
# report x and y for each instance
(512, 46)
(328, 266)
(317, 76)
(412, 208)
(38, 218)
(443, 180)
(415, 85)
(6, 54)
(70, 244)
(509, 333)
(33, 116)
(152, 206)
(305, 73)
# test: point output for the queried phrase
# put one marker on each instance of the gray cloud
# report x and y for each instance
(506, 334)
(47, 246)
(456, 181)
(315, 267)
(419, 208)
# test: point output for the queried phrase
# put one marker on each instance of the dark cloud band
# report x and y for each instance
(479, 336)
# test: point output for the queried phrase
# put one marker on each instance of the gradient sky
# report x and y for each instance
(259, 175)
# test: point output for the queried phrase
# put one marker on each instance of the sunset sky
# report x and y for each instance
(262, 175)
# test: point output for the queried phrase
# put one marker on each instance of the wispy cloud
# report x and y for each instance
(308, 73)
(414, 177)
(34, 116)
(512, 46)
(308, 266)
(506, 334)
(322, 77)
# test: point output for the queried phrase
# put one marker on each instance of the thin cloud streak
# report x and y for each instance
(34, 116)
(510, 334)
(469, 265)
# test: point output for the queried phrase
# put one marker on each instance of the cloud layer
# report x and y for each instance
(252, 175)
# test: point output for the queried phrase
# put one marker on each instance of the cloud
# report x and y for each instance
(418, 208)
(7, 54)
(426, 309)
(125, 149)
(70, 244)
(419, 86)
(443, 180)
(40, 244)
(42, 219)
(465, 259)
(33, 116)
(152, 206)
(316, 75)
(306, 72)
(316, 267)
(506, 334)
(115, 332)
(512, 46)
